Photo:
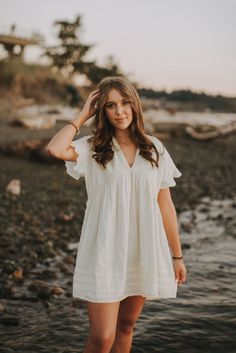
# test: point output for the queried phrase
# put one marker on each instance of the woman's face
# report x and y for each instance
(118, 110)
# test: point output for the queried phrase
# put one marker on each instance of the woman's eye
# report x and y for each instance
(109, 106)
(113, 105)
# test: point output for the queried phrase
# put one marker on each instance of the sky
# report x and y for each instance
(161, 44)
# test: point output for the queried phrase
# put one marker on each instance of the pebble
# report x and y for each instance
(57, 290)
(2, 308)
(187, 227)
(47, 274)
(18, 274)
(10, 320)
(69, 260)
(63, 267)
(34, 285)
(44, 293)
(186, 246)
(14, 187)
(65, 217)
(72, 246)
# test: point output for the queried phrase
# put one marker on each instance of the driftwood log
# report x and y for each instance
(208, 135)
(33, 149)
(198, 132)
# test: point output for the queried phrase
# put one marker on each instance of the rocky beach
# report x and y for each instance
(40, 230)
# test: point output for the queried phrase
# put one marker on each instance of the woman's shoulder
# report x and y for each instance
(152, 137)
(158, 144)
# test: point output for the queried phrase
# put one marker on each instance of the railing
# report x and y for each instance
(19, 32)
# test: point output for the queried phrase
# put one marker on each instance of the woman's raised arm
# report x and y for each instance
(60, 145)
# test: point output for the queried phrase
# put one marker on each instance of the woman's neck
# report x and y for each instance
(123, 136)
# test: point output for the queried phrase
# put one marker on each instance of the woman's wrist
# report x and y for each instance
(74, 127)
(76, 123)
(179, 257)
(79, 120)
(177, 261)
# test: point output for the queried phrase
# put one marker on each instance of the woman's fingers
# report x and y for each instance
(94, 92)
(180, 276)
(90, 104)
(95, 97)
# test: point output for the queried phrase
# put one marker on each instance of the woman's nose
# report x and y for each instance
(119, 109)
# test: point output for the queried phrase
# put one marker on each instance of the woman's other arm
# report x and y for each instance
(170, 222)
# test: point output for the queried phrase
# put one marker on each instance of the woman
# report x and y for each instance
(129, 249)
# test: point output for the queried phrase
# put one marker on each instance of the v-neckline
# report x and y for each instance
(123, 155)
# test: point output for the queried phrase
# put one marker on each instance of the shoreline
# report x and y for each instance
(41, 228)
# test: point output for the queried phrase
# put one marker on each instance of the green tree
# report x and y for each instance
(95, 73)
(70, 51)
(69, 56)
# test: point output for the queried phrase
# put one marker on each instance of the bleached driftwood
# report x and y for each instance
(39, 122)
(201, 126)
(35, 148)
(208, 135)
(21, 102)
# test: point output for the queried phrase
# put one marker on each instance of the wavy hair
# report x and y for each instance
(103, 131)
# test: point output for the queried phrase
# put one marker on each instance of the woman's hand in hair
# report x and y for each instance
(89, 108)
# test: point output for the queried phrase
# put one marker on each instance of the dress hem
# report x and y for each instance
(119, 298)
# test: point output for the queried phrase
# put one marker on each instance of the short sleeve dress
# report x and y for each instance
(123, 248)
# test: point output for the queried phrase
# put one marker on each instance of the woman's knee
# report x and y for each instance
(102, 340)
(126, 325)
(102, 323)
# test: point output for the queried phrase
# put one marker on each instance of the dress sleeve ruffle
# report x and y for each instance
(78, 169)
(170, 171)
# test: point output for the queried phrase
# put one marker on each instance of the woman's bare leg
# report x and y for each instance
(129, 311)
(102, 326)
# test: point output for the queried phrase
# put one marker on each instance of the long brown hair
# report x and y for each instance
(104, 131)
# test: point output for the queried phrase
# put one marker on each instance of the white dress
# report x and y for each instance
(123, 248)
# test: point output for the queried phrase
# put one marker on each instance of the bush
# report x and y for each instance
(37, 82)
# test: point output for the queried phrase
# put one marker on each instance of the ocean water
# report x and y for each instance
(201, 319)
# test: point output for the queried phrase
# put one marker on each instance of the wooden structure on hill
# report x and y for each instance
(15, 43)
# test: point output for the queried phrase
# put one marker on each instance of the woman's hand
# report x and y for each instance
(180, 271)
(89, 108)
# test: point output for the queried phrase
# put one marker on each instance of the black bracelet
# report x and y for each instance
(177, 258)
